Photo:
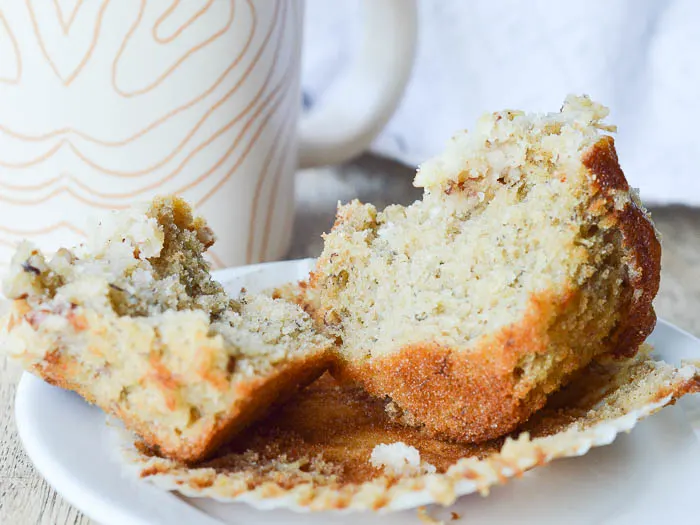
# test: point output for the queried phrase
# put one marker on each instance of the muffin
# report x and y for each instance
(528, 257)
(134, 323)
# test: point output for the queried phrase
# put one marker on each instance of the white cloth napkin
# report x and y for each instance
(641, 58)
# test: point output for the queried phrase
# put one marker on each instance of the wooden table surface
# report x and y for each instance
(26, 499)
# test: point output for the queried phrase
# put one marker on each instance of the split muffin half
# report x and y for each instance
(528, 256)
(135, 323)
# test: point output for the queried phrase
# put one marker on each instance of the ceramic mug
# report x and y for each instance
(104, 103)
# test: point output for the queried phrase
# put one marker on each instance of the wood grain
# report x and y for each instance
(25, 498)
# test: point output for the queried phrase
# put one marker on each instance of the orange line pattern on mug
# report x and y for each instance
(15, 47)
(37, 160)
(274, 190)
(30, 187)
(86, 57)
(202, 177)
(284, 83)
(256, 195)
(121, 142)
(197, 149)
(179, 30)
(127, 195)
(173, 67)
(254, 223)
(41, 231)
(59, 14)
(241, 158)
(62, 191)
(272, 204)
(155, 185)
(198, 125)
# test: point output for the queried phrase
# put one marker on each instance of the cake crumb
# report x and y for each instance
(427, 518)
(454, 516)
(399, 458)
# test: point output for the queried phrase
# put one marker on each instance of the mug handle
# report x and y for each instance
(360, 103)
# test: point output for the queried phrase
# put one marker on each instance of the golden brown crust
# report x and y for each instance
(640, 242)
(256, 398)
(480, 395)
(433, 382)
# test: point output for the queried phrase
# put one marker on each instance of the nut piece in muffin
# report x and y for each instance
(136, 324)
(528, 256)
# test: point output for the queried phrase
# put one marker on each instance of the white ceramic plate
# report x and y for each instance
(649, 476)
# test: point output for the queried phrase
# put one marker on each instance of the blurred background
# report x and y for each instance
(634, 56)
(638, 57)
